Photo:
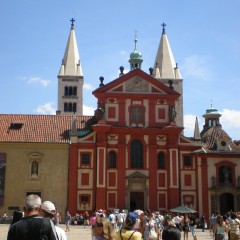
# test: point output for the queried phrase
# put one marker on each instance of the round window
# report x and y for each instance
(223, 143)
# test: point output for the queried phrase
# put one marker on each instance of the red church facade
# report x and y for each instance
(132, 154)
(135, 157)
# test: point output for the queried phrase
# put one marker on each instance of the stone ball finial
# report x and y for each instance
(121, 69)
(101, 81)
(151, 71)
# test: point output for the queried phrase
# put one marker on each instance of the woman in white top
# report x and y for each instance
(150, 231)
(220, 228)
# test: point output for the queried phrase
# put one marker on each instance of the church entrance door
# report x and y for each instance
(136, 201)
(226, 203)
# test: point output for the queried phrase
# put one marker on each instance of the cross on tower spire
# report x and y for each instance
(72, 25)
(135, 38)
(163, 29)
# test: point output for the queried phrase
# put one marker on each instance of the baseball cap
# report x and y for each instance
(133, 216)
(48, 207)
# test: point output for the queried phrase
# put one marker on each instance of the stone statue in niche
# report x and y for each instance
(213, 181)
(172, 114)
(34, 169)
(226, 175)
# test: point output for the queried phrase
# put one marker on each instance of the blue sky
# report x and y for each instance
(204, 37)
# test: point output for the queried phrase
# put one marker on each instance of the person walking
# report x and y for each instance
(67, 221)
(121, 219)
(150, 230)
(185, 226)
(193, 225)
(220, 228)
(32, 226)
(203, 221)
(234, 226)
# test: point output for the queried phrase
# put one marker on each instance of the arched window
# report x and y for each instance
(75, 91)
(161, 160)
(74, 107)
(66, 91)
(65, 107)
(136, 154)
(112, 160)
(70, 107)
(70, 91)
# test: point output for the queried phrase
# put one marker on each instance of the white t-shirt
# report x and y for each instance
(60, 233)
(113, 218)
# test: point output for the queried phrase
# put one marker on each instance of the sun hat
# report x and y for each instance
(48, 207)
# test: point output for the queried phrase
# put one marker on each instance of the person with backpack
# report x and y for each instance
(32, 226)
(127, 232)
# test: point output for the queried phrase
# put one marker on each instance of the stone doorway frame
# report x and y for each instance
(137, 182)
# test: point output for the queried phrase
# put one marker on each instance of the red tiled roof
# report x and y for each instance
(38, 128)
(210, 138)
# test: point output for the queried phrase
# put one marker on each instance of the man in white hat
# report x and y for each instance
(48, 210)
(32, 226)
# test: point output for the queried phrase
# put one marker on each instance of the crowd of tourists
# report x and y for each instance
(225, 227)
(135, 225)
(40, 222)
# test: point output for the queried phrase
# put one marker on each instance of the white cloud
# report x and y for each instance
(196, 66)
(88, 86)
(189, 124)
(33, 79)
(123, 52)
(88, 110)
(230, 120)
(46, 108)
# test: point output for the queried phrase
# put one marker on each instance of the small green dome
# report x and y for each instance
(136, 55)
(212, 111)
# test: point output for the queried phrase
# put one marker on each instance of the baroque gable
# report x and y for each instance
(135, 81)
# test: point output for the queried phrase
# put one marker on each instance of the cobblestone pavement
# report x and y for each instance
(78, 233)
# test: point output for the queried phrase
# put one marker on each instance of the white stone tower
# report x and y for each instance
(167, 72)
(70, 79)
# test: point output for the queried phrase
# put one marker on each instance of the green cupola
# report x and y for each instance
(135, 58)
(212, 119)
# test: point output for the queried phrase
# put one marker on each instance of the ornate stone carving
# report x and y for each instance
(137, 84)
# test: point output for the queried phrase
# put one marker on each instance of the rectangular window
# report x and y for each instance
(187, 161)
(161, 113)
(136, 114)
(85, 179)
(85, 158)
(36, 193)
(111, 200)
(84, 198)
(112, 112)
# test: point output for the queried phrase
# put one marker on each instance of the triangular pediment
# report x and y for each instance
(137, 84)
(136, 81)
(137, 175)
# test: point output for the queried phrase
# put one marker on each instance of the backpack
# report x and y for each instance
(46, 225)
